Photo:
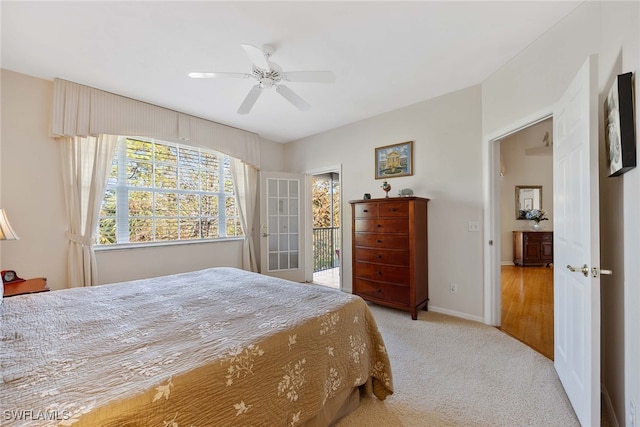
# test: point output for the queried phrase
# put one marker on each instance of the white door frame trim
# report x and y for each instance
(309, 218)
(492, 217)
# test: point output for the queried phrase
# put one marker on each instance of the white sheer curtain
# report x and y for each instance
(245, 182)
(86, 163)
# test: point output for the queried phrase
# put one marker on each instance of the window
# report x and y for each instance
(162, 192)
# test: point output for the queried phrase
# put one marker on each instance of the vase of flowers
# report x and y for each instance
(536, 215)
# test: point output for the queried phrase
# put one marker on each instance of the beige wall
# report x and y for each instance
(32, 195)
(523, 169)
(447, 147)
(31, 185)
(526, 88)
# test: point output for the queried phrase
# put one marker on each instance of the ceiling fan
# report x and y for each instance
(269, 74)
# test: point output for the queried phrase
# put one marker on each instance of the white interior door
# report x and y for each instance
(576, 244)
(282, 225)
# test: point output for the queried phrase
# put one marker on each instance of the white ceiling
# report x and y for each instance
(385, 55)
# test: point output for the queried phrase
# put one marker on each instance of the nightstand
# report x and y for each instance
(30, 286)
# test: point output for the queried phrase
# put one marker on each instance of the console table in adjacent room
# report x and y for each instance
(532, 247)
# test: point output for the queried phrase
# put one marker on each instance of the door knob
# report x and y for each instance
(584, 269)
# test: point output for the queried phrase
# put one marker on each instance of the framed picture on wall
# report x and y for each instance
(619, 126)
(394, 160)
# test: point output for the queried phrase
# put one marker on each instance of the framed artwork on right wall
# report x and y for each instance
(619, 126)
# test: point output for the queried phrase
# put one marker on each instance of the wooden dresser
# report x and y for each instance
(389, 247)
(532, 247)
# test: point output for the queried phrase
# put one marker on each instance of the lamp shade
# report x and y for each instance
(6, 232)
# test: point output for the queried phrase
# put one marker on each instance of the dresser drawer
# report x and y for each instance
(538, 236)
(382, 291)
(381, 272)
(382, 240)
(393, 210)
(382, 256)
(381, 226)
(365, 210)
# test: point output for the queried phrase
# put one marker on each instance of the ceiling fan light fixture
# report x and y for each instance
(268, 74)
(266, 82)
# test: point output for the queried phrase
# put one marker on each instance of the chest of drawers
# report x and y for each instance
(389, 247)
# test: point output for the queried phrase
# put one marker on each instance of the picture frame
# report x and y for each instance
(619, 126)
(394, 160)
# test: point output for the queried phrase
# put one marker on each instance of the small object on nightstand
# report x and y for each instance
(14, 285)
(10, 276)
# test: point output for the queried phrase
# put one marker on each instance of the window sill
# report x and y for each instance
(121, 246)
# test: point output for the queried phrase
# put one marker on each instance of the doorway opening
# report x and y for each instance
(326, 238)
(526, 250)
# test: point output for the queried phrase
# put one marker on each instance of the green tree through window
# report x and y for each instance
(161, 192)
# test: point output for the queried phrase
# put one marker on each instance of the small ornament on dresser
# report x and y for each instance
(386, 187)
(405, 192)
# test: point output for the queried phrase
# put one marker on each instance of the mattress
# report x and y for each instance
(216, 347)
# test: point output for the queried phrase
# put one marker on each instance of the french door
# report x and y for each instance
(282, 225)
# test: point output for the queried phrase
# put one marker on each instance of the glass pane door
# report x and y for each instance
(283, 208)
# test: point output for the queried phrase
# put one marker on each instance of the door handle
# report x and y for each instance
(265, 234)
(596, 272)
(584, 269)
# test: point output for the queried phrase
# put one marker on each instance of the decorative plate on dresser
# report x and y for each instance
(389, 247)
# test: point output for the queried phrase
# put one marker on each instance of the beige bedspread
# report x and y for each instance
(217, 347)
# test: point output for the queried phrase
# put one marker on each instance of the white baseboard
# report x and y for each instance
(608, 406)
(507, 263)
(456, 314)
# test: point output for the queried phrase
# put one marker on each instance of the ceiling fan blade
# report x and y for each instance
(251, 99)
(293, 98)
(256, 55)
(197, 75)
(310, 76)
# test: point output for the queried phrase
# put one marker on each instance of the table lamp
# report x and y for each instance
(6, 232)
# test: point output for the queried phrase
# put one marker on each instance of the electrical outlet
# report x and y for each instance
(474, 226)
(453, 288)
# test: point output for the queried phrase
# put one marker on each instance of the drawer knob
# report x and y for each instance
(378, 290)
(365, 210)
(379, 225)
(379, 256)
(393, 209)
(379, 241)
(379, 273)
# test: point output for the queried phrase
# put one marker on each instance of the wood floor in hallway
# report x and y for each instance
(527, 306)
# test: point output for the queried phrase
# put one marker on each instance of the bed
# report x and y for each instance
(216, 347)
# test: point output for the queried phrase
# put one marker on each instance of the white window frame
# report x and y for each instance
(122, 189)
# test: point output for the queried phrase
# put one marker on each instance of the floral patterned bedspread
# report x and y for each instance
(217, 347)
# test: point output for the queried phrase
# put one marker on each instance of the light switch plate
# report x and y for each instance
(474, 226)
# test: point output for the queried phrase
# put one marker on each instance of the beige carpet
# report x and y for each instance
(452, 372)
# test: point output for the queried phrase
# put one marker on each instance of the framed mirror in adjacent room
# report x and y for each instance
(528, 197)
